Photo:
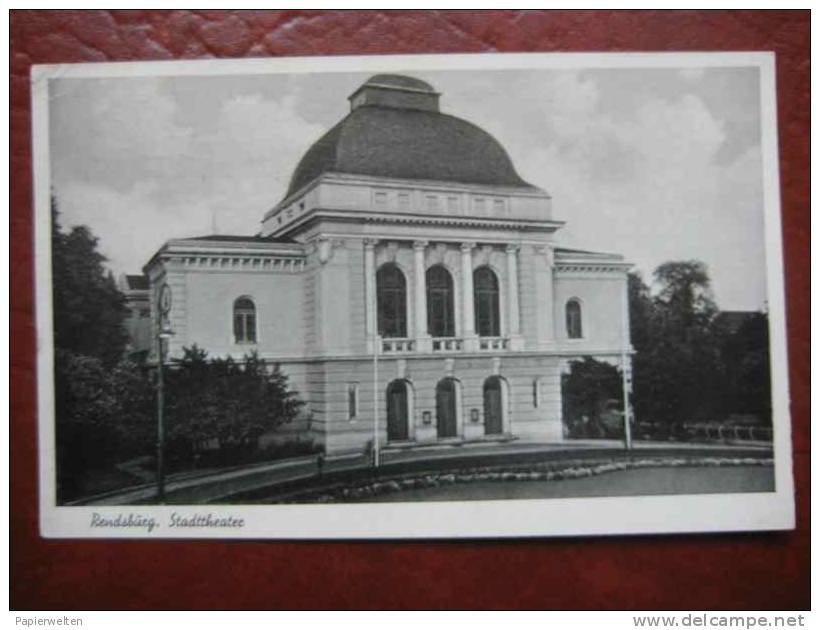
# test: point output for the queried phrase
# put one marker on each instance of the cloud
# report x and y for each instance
(692, 74)
(648, 185)
(139, 171)
(655, 174)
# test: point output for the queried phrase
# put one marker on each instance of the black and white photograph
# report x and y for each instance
(410, 296)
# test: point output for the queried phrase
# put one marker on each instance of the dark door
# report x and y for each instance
(397, 411)
(493, 419)
(446, 408)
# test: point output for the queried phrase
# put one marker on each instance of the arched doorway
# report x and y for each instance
(397, 411)
(493, 406)
(446, 408)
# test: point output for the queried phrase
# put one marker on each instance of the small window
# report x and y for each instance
(352, 401)
(404, 201)
(452, 204)
(573, 312)
(498, 206)
(536, 392)
(432, 203)
(244, 320)
(381, 199)
(479, 204)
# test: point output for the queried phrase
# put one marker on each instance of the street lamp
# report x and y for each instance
(164, 333)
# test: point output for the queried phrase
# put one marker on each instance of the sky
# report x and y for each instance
(654, 164)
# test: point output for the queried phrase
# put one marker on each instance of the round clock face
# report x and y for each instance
(165, 299)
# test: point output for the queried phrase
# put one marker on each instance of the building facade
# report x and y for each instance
(410, 276)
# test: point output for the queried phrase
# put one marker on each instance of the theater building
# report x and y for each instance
(408, 272)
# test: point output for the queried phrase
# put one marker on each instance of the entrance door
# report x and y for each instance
(446, 408)
(493, 408)
(397, 411)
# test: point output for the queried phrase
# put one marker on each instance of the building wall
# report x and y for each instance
(202, 312)
(601, 297)
(533, 407)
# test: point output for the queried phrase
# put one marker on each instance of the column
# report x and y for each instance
(514, 312)
(423, 343)
(543, 297)
(369, 291)
(467, 305)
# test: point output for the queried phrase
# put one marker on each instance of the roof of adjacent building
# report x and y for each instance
(238, 238)
(136, 282)
(406, 137)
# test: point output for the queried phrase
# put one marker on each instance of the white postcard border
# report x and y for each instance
(510, 518)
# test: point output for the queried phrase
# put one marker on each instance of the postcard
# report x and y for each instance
(433, 296)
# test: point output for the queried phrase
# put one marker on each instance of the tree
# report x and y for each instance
(677, 370)
(88, 308)
(225, 402)
(745, 356)
(104, 416)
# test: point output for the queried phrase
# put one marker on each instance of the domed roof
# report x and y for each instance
(394, 131)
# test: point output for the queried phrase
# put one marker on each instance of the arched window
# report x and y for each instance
(485, 292)
(244, 320)
(440, 311)
(391, 292)
(573, 312)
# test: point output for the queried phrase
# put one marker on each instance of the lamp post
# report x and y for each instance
(164, 333)
(626, 365)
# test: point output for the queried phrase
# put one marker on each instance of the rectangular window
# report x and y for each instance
(498, 206)
(432, 203)
(536, 393)
(352, 401)
(452, 204)
(404, 201)
(479, 205)
(381, 199)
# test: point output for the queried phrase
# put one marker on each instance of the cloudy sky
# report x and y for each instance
(655, 164)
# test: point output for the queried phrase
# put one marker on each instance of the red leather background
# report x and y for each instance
(760, 571)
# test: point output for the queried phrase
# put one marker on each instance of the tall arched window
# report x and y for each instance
(485, 292)
(244, 320)
(440, 310)
(573, 312)
(391, 295)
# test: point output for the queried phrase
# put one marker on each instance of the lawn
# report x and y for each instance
(645, 481)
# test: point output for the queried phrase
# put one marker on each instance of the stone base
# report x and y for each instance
(539, 431)
(473, 431)
(426, 433)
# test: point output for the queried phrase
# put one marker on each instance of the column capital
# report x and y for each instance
(512, 248)
(547, 252)
(370, 243)
(420, 245)
(467, 247)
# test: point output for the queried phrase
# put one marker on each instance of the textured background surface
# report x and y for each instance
(758, 571)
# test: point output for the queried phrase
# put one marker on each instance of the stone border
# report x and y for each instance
(532, 472)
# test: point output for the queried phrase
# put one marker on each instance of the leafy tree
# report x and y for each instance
(103, 416)
(225, 403)
(88, 308)
(745, 356)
